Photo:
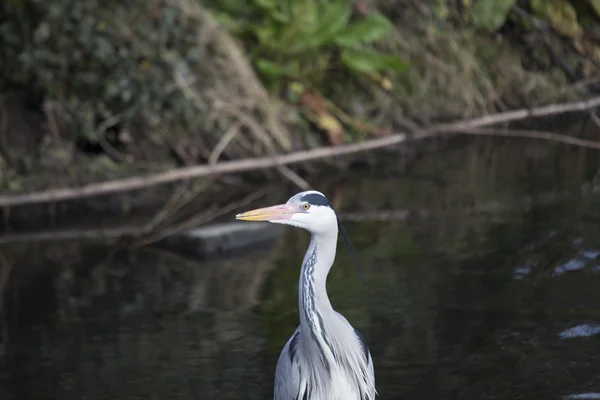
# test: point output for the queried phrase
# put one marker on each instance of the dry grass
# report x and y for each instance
(455, 74)
(238, 103)
(452, 74)
(235, 117)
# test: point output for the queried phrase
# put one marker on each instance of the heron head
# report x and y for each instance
(309, 210)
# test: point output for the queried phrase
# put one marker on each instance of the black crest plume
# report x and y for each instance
(320, 200)
(352, 251)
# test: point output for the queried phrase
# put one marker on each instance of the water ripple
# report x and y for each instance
(584, 330)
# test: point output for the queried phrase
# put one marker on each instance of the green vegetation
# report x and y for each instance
(300, 39)
(569, 19)
(99, 66)
(150, 85)
(489, 15)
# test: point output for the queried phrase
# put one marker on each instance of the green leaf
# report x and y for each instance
(279, 17)
(227, 21)
(266, 4)
(265, 34)
(370, 60)
(596, 6)
(276, 70)
(371, 29)
(272, 9)
(490, 14)
(539, 6)
(303, 18)
(332, 19)
(563, 17)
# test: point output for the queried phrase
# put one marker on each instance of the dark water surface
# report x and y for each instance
(474, 294)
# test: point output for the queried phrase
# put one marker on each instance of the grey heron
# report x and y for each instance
(325, 358)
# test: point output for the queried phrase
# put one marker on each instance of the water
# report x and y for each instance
(474, 293)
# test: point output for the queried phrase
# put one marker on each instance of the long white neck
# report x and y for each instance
(315, 308)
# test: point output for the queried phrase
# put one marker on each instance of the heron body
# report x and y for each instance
(325, 358)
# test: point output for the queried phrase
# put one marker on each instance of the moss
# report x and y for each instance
(96, 63)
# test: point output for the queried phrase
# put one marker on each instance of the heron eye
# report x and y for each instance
(305, 206)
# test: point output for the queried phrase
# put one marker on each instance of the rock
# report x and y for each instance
(222, 240)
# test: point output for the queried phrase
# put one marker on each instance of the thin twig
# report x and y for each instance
(229, 167)
(170, 207)
(294, 177)
(402, 214)
(264, 137)
(524, 133)
(225, 140)
(595, 118)
(200, 218)
(105, 144)
(48, 109)
(131, 231)
(255, 127)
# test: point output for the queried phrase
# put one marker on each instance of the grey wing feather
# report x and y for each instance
(287, 374)
(371, 377)
(366, 352)
(291, 382)
(370, 367)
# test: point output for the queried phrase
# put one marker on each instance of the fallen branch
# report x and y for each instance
(525, 133)
(174, 204)
(141, 235)
(199, 219)
(466, 126)
(137, 231)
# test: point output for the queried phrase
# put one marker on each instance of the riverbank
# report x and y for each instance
(99, 94)
(483, 171)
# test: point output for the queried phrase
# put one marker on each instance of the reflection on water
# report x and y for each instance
(497, 305)
(580, 331)
(586, 396)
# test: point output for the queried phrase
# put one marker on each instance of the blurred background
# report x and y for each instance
(482, 251)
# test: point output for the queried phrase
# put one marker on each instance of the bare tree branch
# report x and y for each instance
(525, 133)
(294, 178)
(253, 164)
(402, 214)
(199, 219)
(177, 200)
(140, 232)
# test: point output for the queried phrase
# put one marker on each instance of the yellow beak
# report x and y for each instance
(273, 213)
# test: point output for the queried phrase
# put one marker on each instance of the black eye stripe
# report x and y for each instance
(316, 199)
